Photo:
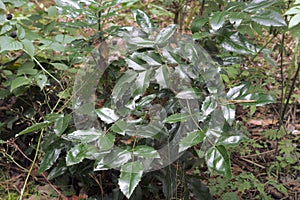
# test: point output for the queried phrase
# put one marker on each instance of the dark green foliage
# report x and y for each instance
(149, 119)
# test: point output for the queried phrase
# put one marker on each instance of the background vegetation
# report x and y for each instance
(244, 144)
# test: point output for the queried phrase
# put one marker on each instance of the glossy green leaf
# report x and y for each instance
(190, 140)
(164, 35)
(19, 81)
(189, 93)
(9, 44)
(209, 105)
(84, 136)
(229, 113)
(259, 99)
(143, 80)
(59, 66)
(27, 68)
(153, 128)
(268, 18)
(149, 58)
(52, 117)
(131, 175)
(58, 170)
(237, 91)
(236, 18)
(217, 20)
(294, 21)
(181, 117)
(293, 10)
(146, 100)
(34, 127)
(198, 23)
(145, 152)
(162, 77)
(230, 140)
(61, 124)
(106, 142)
(256, 5)
(239, 44)
(49, 159)
(5, 28)
(20, 32)
(2, 6)
(133, 65)
(217, 159)
(123, 84)
(119, 127)
(107, 115)
(52, 11)
(28, 47)
(138, 42)
(170, 57)
(114, 159)
(143, 20)
(65, 39)
(41, 80)
(80, 152)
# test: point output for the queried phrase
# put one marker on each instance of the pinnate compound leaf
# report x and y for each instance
(217, 159)
(131, 175)
(164, 35)
(34, 127)
(18, 82)
(49, 159)
(191, 139)
(143, 20)
(268, 18)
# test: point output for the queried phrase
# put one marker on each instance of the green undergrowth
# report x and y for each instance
(78, 122)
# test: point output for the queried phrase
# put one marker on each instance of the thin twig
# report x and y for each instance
(254, 163)
(32, 165)
(202, 7)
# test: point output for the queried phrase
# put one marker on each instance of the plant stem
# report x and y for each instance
(32, 165)
(202, 7)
